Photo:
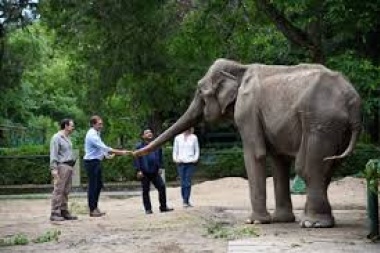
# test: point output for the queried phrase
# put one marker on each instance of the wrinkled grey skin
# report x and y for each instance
(306, 112)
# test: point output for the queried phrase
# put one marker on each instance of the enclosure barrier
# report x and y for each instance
(30, 161)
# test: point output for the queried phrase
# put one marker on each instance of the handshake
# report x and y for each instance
(111, 154)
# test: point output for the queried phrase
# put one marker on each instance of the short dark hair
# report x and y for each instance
(145, 129)
(64, 123)
(94, 119)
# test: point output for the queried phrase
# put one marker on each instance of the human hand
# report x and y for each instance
(141, 152)
(160, 171)
(109, 156)
(55, 175)
(139, 175)
(125, 152)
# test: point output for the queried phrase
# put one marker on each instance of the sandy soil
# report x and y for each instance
(219, 206)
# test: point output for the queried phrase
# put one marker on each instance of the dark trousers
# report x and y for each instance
(157, 181)
(95, 183)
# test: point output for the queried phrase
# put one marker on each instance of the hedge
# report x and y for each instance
(30, 165)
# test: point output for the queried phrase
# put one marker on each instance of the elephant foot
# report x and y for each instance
(319, 221)
(259, 219)
(283, 216)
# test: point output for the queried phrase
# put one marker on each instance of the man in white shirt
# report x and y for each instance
(95, 152)
(186, 155)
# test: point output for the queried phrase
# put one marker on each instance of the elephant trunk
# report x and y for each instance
(188, 119)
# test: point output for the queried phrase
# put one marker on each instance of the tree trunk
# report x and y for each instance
(311, 40)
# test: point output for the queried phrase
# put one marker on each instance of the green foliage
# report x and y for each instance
(25, 165)
(18, 239)
(48, 236)
(364, 75)
(42, 88)
(22, 239)
(356, 163)
(136, 63)
(372, 174)
(226, 163)
(119, 169)
(220, 230)
(30, 165)
(78, 208)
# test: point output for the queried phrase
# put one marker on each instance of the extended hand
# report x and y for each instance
(127, 152)
(139, 175)
(110, 156)
(141, 152)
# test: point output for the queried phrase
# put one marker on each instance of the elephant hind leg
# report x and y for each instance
(281, 178)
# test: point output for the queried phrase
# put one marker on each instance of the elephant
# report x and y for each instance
(304, 113)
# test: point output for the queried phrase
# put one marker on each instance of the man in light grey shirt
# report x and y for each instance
(62, 161)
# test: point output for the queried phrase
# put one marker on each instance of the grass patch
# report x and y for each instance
(18, 239)
(22, 239)
(48, 236)
(220, 230)
(76, 207)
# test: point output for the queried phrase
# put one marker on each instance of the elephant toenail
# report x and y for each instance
(306, 224)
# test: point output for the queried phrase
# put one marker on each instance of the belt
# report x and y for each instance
(91, 160)
(70, 163)
(186, 163)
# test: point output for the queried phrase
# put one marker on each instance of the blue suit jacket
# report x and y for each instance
(149, 163)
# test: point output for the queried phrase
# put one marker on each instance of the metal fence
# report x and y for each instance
(14, 136)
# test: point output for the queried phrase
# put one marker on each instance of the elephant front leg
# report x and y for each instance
(317, 176)
(281, 178)
(255, 166)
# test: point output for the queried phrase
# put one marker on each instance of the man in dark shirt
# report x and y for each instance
(149, 169)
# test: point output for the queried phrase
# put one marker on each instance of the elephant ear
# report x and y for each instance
(227, 90)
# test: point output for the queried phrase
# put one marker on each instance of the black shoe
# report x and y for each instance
(56, 217)
(166, 209)
(148, 212)
(67, 216)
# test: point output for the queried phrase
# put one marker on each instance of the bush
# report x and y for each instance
(26, 165)
(30, 165)
(355, 164)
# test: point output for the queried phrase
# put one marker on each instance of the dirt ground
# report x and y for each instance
(220, 208)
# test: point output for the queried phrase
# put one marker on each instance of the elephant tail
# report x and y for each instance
(354, 137)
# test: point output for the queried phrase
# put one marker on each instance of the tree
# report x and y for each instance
(325, 28)
(15, 14)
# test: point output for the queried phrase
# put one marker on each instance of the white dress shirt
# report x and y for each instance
(94, 147)
(186, 149)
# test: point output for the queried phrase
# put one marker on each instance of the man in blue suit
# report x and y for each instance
(149, 169)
